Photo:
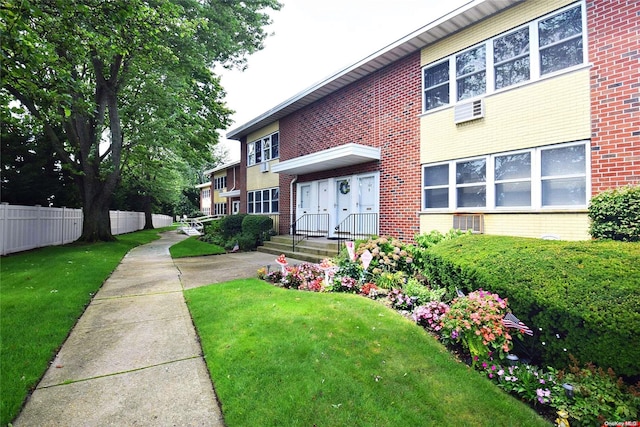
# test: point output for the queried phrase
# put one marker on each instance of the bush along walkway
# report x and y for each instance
(478, 327)
(133, 358)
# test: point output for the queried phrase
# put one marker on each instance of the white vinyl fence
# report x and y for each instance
(28, 227)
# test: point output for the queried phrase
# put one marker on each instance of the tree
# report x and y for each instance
(75, 64)
(32, 173)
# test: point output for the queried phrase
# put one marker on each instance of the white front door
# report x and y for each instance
(343, 202)
(323, 205)
(367, 205)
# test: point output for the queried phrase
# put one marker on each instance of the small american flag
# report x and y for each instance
(511, 321)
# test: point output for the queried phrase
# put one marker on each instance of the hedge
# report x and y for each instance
(580, 298)
(615, 214)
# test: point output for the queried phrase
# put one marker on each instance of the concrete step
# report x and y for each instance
(310, 250)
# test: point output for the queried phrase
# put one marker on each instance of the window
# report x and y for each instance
(436, 83)
(545, 177)
(220, 182)
(219, 208)
(512, 174)
(471, 189)
(558, 41)
(471, 73)
(511, 58)
(263, 201)
(436, 186)
(564, 176)
(263, 149)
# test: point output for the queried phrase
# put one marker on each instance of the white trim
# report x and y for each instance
(232, 193)
(332, 158)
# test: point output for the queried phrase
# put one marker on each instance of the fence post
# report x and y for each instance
(39, 226)
(62, 227)
(4, 212)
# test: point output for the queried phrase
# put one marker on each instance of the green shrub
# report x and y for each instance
(424, 294)
(389, 255)
(231, 225)
(258, 226)
(580, 298)
(615, 214)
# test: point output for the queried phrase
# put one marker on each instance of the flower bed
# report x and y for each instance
(472, 326)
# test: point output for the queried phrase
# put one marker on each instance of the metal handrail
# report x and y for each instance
(309, 225)
(357, 227)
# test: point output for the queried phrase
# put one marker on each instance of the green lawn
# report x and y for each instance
(42, 294)
(194, 247)
(289, 358)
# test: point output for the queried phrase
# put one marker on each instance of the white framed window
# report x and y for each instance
(471, 183)
(471, 72)
(436, 186)
(219, 208)
(511, 58)
(512, 179)
(220, 182)
(563, 173)
(553, 176)
(263, 149)
(263, 201)
(552, 43)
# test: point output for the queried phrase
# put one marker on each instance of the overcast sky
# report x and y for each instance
(313, 39)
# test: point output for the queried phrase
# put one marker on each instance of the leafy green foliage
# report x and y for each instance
(580, 298)
(130, 85)
(389, 255)
(257, 226)
(424, 294)
(598, 396)
(615, 214)
(231, 225)
(476, 321)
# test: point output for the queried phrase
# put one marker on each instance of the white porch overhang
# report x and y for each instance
(332, 158)
(229, 194)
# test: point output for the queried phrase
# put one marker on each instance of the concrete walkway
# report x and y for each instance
(133, 358)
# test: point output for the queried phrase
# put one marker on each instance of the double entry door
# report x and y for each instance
(338, 205)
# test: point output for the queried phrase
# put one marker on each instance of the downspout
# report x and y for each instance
(291, 203)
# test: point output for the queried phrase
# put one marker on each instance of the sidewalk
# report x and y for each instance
(133, 358)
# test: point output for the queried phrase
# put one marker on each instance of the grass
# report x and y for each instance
(282, 357)
(194, 247)
(42, 294)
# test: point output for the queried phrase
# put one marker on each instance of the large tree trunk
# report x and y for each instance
(96, 225)
(148, 214)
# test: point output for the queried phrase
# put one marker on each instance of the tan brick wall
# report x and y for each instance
(567, 226)
(548, 111)
(256, 179)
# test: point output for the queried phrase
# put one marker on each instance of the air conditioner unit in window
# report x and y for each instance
(473, 222)
(469, 111)
(264, 167)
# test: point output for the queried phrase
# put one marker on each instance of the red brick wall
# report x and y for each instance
(614, 51)
(381, 110)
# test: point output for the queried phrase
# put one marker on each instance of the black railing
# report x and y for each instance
(357, 227)
(309, 225)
